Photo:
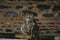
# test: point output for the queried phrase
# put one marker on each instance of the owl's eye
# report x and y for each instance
(10, 14)
(48, 15)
